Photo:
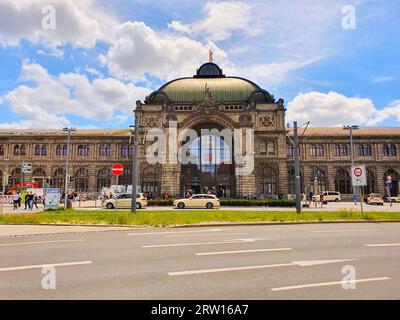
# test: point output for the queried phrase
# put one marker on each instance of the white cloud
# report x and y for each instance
(382, 79)
(55, 52)
(220, 20)
(331, 109)
(77, 21)
(138, 50)
(392, 111)
(48, 102)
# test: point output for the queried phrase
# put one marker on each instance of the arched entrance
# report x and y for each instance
(212, 169)
(38, 177)
(394, 191)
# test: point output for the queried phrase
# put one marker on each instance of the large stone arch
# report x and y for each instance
(199, 118)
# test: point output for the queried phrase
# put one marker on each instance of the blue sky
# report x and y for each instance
(102, 56)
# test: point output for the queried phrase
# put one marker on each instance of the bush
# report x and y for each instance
(234, 203)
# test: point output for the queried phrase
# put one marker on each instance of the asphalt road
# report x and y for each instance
(232, 262)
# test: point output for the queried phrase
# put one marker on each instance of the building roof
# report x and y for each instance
(340, 132)
(209, 77)
(56, 132)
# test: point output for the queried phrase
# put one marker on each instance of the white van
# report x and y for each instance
(329, 196)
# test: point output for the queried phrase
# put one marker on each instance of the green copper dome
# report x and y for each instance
(209, 76)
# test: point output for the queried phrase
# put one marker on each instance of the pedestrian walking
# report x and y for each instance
(19, 199)
(15, 200)
(35, 201)
(29, 199)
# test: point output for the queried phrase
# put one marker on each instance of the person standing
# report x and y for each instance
(35, 201)
(29, 199)
(15, 200)
(19, 199)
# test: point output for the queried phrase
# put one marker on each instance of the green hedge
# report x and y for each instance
(234, 203)
(257, 203)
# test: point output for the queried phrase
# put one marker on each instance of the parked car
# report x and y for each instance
(329, 196)
(375, 198)
(393, 199)
(198, 201)
(123, 201)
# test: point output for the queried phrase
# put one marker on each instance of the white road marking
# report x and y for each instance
(39, 242)
(306, 263)
(172, 232)
(64, 264)
(383, 245)
(204, 243)
(322, 284)
(343, 230)
(204, 234)
(241, 251)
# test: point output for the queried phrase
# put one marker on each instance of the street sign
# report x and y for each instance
(359, 175)
(26, 167)
(117, 169)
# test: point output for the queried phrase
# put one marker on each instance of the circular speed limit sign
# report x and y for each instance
(358, 172)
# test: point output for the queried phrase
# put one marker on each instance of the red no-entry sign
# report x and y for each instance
(117, 169)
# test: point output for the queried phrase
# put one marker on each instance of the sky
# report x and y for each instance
(85, 63)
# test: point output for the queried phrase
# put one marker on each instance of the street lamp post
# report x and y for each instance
(68, 131)
(134, 131)
(351, 128)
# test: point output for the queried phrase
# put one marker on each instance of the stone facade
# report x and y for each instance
(209, 100)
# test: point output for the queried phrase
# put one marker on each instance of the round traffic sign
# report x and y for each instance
(358, 172)
(117, 169)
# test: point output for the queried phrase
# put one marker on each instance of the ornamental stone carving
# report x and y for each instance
(267, 121)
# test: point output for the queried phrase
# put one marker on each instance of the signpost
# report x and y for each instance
(389, 185)
(359, 179)
(117, 169)
(52, 197)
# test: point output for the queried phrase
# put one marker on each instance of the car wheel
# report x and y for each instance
(181, 205)
(138, 205)
(110, 206)
(209, 205)
(336, 200)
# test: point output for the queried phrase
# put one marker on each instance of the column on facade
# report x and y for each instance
(380, 183)
(330, 175)
(283, 178)
(92, 173)
(170, 180)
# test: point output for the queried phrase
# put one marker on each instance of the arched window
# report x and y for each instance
(385, 150)
(86, 150)
(81, 180)
(343, 181)
(2, 151)
(38, 176)
(58, 180)
(65, 150)
(318, 180)
(336, 150)
(44, 150)
(371, 182)
(368, 150)
(151, 180)
(38, 150)
(292, 182)
(16, 150)
(392, 150)
(22, 150)
(361, 151)
(269, 181)
(289, 150)
(270, 148)
(16, 176)
(343, 150)
(102, 150)
(58, 151)
(83, 150)
(320, 150)
(103, 179)
(313, 150)
(125, 151)
(108, 151)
